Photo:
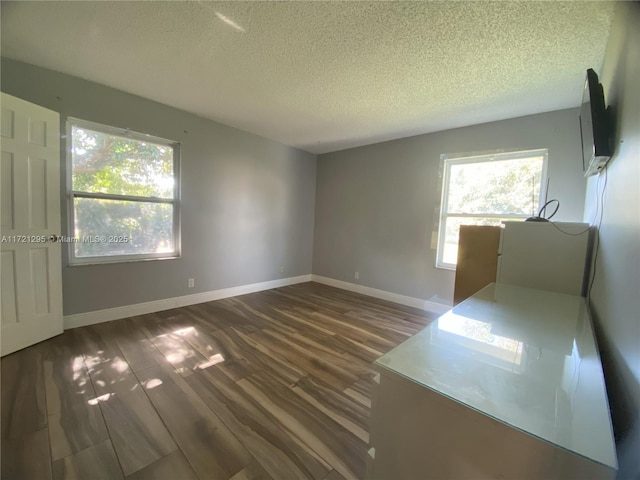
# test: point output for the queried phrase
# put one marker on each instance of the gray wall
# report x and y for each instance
(615, 299)
(247, 202)
(376, 205)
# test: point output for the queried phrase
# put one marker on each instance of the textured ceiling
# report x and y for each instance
(324, 76)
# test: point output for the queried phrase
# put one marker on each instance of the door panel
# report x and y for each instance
(38, 258)
(7, 217)
(30, 214)
(37, 172)
(8, 298)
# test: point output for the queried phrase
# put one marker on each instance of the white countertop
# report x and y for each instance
(525, 357)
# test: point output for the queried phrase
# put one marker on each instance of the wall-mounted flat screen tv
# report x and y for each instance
(594, 126)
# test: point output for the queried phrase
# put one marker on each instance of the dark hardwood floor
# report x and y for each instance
(270, 385)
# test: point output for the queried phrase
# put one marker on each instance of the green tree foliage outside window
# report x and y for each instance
(487, 190)
(124, 194)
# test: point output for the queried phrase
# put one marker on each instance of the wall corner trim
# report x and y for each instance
(116, 313)
(432, 307)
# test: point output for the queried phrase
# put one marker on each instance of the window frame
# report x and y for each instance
(448, 162)
(73, 194)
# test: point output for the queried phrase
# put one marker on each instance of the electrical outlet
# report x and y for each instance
(357, 276)
(281, 268)
(191, 283)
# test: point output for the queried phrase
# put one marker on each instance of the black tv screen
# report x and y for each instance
(594, 127)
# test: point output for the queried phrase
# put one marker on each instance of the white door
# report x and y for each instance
(30, 263)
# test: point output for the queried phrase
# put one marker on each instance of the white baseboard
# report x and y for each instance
(106, 315)
(432, 307)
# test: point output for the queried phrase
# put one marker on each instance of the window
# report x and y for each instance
(486, 190)
(124, 191)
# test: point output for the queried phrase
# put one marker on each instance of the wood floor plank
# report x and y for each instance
(272, 360)
(333, 475)
(308, 296)
(299, 319)
(108, 370)
(336, 405)
(171, 467)
(74, 418)
(306, 359)
(270, 385)
(331, 299)
(255, 306)
(383, 328)
(344, 451)
(239, 358)
(359, 397)
(253, 471)
(351, 299)
(223, 313)
(23, 407)
(363, 387)
(78, 427)
(136, 348)
(96, 463)
(345, 328)
(281, 454)
(26, 457)
(176, 350)
(202, 342)
(356, 348)
(66, 378)
(210, 447)
(330, 348)
(138, 434)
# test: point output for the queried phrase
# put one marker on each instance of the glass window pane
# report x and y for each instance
(452, 231)
(499, 187)
(118, 227)
(104, 163)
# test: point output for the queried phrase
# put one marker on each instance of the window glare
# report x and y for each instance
(500, 187)
(134, 227)
(104, 163)
(124, 194)
(487, 191)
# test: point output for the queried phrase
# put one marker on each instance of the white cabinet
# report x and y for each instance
(545, 255)
(506, 385)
